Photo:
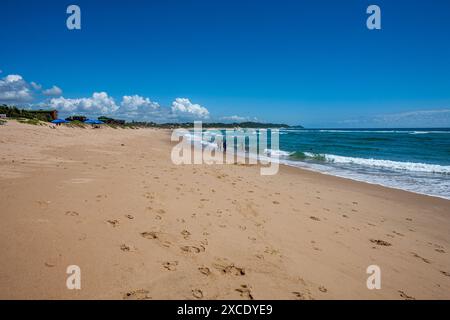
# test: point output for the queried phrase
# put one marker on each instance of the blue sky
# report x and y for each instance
(311, 62)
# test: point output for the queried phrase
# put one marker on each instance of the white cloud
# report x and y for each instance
(14, 89)
(35, 86)
(185, 107)
(137, 103)
(99, 103)
(53, 91)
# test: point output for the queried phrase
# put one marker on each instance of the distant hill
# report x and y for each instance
(248, 124)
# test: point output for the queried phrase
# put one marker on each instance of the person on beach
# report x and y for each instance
(219, 143)
(224, 145)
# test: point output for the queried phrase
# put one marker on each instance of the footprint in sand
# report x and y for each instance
(149, 235)
(302, 296)
(140, 294)
(272, 251)
(185, 234)
(125, 248)
(245, 292)
(405, 296)
(204, 270)
(129, 216)
(197, 293)
(170, 265)
(445, 273)
(323, 289)
(298, 295)
(72, 213)
(314, 218)
(192, 249)
(380, 242)
(421, 258)
(230, 269)
(114, 223)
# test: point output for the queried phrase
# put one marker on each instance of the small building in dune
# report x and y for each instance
(77, 118)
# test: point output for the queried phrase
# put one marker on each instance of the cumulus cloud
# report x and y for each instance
(137, 103)
(185, 107)
(14, 89)
(99, 103)
(35, 86)
(53, 91)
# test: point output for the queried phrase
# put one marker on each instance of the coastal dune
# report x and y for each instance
(140, 227)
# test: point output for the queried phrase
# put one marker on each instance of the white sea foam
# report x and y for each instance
(277, 153)
(388, 164)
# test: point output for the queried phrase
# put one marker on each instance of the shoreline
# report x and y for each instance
(367, 182)
(139, 227)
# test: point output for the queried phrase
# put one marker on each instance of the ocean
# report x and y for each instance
(416, 160)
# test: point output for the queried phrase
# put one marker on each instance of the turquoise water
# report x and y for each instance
(416, 160)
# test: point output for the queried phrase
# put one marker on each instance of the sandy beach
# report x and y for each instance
(111, 202)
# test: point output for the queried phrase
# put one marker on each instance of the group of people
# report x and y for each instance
(221, 144)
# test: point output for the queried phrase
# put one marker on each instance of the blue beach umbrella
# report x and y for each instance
(57, 121)
(90, 121)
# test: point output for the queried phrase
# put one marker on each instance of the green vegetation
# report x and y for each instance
(15, 113)
(2, 122)
(76, 124)
(34, 122)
